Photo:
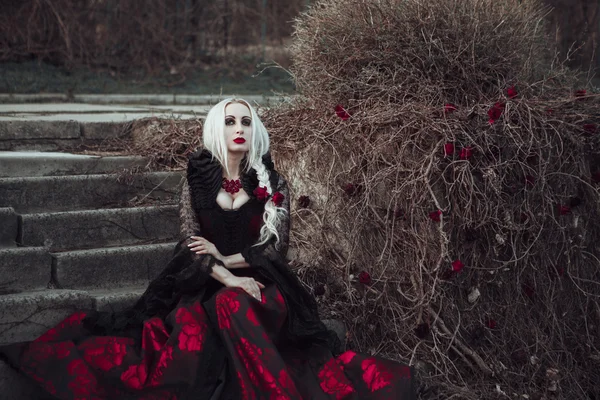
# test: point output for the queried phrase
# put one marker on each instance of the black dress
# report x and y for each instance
(188, 337)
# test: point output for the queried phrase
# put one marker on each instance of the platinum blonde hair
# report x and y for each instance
(213, 136)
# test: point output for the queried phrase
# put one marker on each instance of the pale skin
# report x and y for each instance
(238, 124)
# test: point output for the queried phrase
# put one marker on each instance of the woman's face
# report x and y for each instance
(238, 128)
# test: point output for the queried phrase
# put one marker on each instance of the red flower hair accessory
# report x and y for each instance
(457, 266)
(278, 198)
(261, 193)
(435, 215)
(448, 149)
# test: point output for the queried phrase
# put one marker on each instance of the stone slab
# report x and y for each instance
(40, 144)
(15, 164)
(25, 316)
(64, 129)
(100, 228)
(106, 130)
(24, 268)
(9, 227)
(114, 300)
(110, 267)
(77, 192)
(40, 119)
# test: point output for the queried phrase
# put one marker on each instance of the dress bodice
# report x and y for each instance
(232, 230)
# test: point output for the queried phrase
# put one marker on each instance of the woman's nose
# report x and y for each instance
(239, 129)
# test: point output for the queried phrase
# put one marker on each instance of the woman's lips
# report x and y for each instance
(239, 140)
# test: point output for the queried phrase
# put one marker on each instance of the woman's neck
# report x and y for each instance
(234, 161)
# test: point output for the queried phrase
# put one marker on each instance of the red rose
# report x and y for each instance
(227, 304)
(304, 201)
(333, 381)
(191, 337)
(278, 198)
(512, 92)
(365, 278)
(261, 193)
(496, 112)
(135, 376)
(580, 93)
(105, 352)
(590, 129)
(448, 149)
(375, 374)
(457, 266)
(435, 215)
(341, 112)
(449, 108)
(352, 189)
(563, 210)
(490, 323)
(466, 153)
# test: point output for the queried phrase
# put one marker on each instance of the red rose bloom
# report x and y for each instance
(448, 149)
(261, 193)
(341, 112)
(512, 92)
(365, 278)
(135, 376)
(496, 112)
(449, 108)
(563, 210)
(375, 374)
(304, 201)
(457, 266)
(580, 93)
(333, 381)
(278, 198)
(466, 153)
(435, 215)
(590, 129)
(105, 352)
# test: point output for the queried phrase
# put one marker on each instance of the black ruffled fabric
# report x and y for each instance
(184, 274)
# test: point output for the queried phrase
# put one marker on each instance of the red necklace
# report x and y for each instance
(231, 186)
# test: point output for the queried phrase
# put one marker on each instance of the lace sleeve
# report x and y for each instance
(187, 216)
(274, 250)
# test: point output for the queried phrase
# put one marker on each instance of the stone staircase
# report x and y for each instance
(76, 232)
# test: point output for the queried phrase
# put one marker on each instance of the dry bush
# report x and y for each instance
(518, 197)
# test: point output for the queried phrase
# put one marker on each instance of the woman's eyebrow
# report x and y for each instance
(231, 116)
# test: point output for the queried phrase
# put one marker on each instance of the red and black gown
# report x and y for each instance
(188, 337)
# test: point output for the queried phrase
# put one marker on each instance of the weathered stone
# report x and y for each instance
(25, 316)
(24, 268)
(15, 164)
(57, 193)
(9, 227)
(100, 228)
(16, 386)
(40, 144)
(110, 267)
(19, 130)
(116, 299)
(105, 130)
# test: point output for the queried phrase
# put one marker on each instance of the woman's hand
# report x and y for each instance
(203, 246)
(251, 286)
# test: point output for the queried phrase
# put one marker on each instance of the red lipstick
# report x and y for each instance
(239, 140)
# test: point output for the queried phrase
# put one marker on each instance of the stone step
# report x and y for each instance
(25, 316)
(110, 268)
(77, 192)
(9, 227)
(15, 164)
(100, 228)
(24, 268)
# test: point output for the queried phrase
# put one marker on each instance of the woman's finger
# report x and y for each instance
(260, 285)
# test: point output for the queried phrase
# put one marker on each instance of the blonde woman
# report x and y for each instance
(226, 319)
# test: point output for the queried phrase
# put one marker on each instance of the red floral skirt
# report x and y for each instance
(173, 360)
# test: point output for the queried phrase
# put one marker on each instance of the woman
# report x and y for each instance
(226, 319)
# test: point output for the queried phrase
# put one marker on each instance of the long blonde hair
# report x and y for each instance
(213, 136)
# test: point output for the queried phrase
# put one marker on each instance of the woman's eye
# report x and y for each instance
(246, 122)
(229, 122)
